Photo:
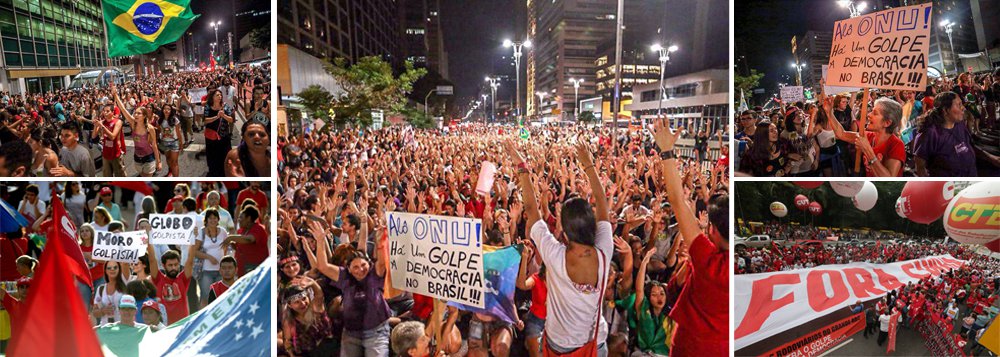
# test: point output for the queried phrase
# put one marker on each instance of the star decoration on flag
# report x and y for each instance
(239, 335)
(257, 330)
(239, 323)
(254, 307)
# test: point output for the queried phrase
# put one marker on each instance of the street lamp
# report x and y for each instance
(517, 68)
(494, 83)
(485, 115)
(798, 68)
(576, 92)
(664, 57)
(541, 98)
(854, 8)
(947, 26)
(215, 25)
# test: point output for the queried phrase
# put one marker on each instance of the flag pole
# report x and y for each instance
(107, 44)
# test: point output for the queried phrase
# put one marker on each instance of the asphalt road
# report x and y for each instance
(190, 165)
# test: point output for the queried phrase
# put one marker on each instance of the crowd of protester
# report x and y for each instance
(82, 132)
(951, 129)
(963, 300)
(167, 283)
(654, 227)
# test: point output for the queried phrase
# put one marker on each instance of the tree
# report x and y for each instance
(370, 84)
(317, 101)
(261, 37)
(586, 117)
(418, 119)
(749, 82)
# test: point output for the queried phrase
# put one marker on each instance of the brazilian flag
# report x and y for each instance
(141, 26)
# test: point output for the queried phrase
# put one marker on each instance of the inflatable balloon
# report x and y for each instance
(778, 209)
(994, 246)
(847, 188)
(808, 184)
(866, 198)
(973, 216)
(815, 209)
(801, 202)
(899, 207)
(924, 201)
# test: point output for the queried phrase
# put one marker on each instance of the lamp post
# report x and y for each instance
(215, 25)
(576, 100)
(947, 26)
(541, 97)
(854, 8)
(664, 57)
(494, 83)
(798, 68)
(485, 115)
(517, 45)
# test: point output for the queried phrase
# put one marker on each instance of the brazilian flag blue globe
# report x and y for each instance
(141, 26)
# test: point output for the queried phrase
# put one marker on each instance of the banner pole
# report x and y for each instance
(107, 44)
(862, 122)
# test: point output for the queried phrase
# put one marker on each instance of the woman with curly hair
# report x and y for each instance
(943, 145)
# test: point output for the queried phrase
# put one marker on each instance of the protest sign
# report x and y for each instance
(124, 247)
(834, 90)
(437, 256)
(172, 229)
(821, 340)
(792, 94)
(195, 94)
(770, 303)
(885, 49)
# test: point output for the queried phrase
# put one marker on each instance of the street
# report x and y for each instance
(187, 162)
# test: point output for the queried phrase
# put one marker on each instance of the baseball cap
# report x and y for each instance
(127, 301)
(152, 304)
(105, 191)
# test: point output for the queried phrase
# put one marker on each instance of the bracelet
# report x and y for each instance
(522, 168)
(668, 154)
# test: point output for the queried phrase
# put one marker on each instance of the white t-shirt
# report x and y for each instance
(25, 207)
(102, 298)
(571, 312)
(212, 246)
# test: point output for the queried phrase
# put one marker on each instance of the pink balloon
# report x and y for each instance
(815, 208)
(925, 201)
(801, 202)
(808, 184)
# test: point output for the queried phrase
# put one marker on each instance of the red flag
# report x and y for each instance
(55, 322)
(137, 186)
(61, 228)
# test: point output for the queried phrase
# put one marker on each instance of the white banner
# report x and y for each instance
(437, 256)
(125, 247)
(885, 49)
(792, 94)
(195, 94)
(172, 228)
(770, 303)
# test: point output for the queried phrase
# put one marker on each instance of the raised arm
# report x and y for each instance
(665, 140)
(154, 266)
(623, 249)
(189, 263)
(640, 283)
(587, 164)
(322, 252)
(121, 107)
(527, 186)
(523, 281)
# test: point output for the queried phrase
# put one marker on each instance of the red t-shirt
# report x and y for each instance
(170, 205)
(702, 309)
(202, 197)
(113, 147)
(13, 308)
(97, 270)
(219, 288)
(423, 306)
(259, 197)
(173, 295)
(893, 148)
(255, 253)
(538, 295)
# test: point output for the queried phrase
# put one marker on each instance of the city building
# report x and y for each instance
(249, 16)
(813, 51)
(46, 43)
(348, 29)
(688, 99)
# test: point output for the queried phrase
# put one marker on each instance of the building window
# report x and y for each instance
(648, 96)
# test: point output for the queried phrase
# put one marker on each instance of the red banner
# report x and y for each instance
(819, 341)
(893, 328)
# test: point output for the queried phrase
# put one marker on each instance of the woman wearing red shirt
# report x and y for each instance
(113, 140)
(884, 152)
(535, 322)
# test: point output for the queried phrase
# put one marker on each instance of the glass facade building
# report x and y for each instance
(45, 42)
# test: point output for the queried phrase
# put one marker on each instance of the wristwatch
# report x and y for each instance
(872, 161)
(668, 154)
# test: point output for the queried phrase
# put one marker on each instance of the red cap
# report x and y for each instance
(150, 304)
(105, 191)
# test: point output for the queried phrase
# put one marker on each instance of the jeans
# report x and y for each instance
(371, 343)
(205, 282)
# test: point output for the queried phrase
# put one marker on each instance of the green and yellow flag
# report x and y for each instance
(141, 26)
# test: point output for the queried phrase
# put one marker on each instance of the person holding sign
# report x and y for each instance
(883, 150)
(172, 282)
(365, 311)
(575, 295)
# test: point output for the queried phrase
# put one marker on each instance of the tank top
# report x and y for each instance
(142, 146)
(826, 138)
(113, 147)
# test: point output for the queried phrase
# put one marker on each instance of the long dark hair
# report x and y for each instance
(936, 117)
(211, 97)
(761, 148)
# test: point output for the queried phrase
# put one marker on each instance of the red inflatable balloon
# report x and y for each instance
(808, 184)
(815, 209)
(994, 246)
(801, 202)
(925, 201)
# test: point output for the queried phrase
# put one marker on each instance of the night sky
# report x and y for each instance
(215, 10)
(474, 31)
(764, 30)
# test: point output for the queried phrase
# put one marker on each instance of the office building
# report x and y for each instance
(813, 51)
(423, 41)
(45, 43)
(348, 29)
(689, 99)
